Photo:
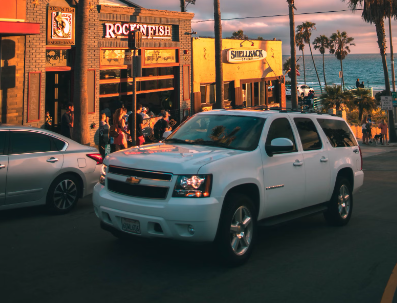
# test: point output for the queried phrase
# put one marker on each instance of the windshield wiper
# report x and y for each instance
(175, 140)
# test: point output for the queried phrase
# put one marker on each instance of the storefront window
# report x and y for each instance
(160, 56)
(58, 57)
(111, 88)
(115, 57)
(157, 71)
(226, 91)
(157, 84)
(203, 94)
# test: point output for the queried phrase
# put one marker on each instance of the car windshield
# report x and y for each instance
(233, 132)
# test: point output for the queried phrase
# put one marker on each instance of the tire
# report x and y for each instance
(63, 194)
(235, 240)
(341, 205)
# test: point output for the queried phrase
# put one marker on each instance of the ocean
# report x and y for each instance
(366, 67)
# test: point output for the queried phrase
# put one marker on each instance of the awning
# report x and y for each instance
(19, 28)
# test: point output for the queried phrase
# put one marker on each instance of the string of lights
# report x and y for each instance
(273, 16)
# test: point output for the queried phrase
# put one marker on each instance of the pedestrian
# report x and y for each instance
(369, 128)
(117, 131)
(358, 83)
(140, 139)
(48, 121)
(144, 113)
(362, 85)
(160, 127)
(383, 131)
(67, 122)
(103, 134)
(364, 130)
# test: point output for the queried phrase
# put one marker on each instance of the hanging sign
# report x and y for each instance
(245, 55)
(60, 30)
(149, 31)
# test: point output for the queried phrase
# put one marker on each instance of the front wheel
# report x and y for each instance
(237, 230)
(341, 205)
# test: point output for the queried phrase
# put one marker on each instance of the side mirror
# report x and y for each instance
(279, 146)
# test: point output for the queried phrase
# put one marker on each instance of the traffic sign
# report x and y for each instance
(387, 102)
(394, 95)
(340, 74)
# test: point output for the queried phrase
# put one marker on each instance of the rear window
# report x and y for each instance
(338, 133)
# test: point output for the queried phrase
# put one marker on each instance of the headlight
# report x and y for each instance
(103, 175)
(194, 186)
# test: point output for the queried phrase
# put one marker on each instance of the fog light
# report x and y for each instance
(190, 229)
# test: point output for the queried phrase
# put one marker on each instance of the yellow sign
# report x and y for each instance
(160, 56)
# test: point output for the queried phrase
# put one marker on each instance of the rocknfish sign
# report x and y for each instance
(121, 30)
(246, 55)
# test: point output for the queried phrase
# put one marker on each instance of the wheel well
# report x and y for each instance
(79, 179)
(347, 173)
(250, 190)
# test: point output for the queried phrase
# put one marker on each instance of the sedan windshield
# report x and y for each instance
(234, 132)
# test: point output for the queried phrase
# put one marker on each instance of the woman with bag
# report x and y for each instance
(364, 130)
(117, 130)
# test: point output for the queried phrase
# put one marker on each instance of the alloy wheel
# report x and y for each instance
(65, 194)
(344, 201)
(241, 229)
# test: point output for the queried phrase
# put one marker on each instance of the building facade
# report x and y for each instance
(46, 80)
(252, 73)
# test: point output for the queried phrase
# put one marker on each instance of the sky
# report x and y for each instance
(278, 27)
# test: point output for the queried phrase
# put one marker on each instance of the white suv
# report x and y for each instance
(224, 172)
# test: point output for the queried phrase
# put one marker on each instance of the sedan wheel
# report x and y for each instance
(63, 194)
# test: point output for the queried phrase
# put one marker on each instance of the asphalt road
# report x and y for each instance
(70, 259)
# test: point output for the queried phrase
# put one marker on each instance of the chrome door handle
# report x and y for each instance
(2, 166)
(356, 151)
(52, 160)
(298, 163)
(323, 159)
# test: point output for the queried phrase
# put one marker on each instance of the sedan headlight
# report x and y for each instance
(194, 186)
(103, 175)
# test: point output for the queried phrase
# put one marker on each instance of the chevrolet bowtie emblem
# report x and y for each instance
(133, 180)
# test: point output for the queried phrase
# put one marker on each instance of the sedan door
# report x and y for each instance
(317, 164)
(33, 165)
(284, 174)
(3, 165)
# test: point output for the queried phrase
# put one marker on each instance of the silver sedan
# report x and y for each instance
(39, 167)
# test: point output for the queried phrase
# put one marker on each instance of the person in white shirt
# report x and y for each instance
(144, 113)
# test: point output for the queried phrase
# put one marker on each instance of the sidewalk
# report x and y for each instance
(373, 150)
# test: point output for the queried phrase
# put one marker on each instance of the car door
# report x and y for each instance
(3, 165)
(284, 173)
(317, 164)
(33, 165)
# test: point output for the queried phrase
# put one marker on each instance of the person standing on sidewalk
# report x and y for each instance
(67, 122)
(140, 139)
(383, 131)
(364, 130)
(103, 134)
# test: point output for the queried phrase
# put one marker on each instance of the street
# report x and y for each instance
(70, 259)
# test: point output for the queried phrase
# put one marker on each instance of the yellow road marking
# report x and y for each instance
(390, 288)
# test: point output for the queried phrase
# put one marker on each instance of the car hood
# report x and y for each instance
(176, 159)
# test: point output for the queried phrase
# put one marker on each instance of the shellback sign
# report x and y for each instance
(245, 55)
(121, 30)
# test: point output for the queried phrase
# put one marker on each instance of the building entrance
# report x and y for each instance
(58, 95)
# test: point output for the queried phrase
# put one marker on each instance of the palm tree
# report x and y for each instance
(322, 43)
(183, 6)
(294, 95)
(218, 55)
(334, 97)
(300, 43)
(340, 44)
(375, 11)
(81, 128)
(362, 100)
(287, 67)
(306, 28)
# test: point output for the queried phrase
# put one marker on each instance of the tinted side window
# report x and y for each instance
(58, 144)
(29, 142)
(281, 128)
(338, 133)
(2, 142)
(308, 134)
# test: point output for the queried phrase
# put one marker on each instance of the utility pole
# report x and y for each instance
(218, 56)
(294, 84)
(392, 64)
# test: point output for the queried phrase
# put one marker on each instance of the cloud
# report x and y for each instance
(278, 27)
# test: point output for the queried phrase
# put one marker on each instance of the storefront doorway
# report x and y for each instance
(58, 95)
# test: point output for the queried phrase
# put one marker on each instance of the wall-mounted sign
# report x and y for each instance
(160, 56)
(149, 31)
(60, 25)
(245, 55)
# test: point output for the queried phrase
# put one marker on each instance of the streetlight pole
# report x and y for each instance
(392, 63)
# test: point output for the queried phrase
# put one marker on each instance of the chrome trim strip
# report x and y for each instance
(141, 170)
(274, 187)
(24, 192)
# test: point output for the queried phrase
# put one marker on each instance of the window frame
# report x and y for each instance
(266, 134)
(355, 144)
(299, 135)
(4, 152)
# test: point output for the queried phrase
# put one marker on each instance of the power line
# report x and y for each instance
(273, 16)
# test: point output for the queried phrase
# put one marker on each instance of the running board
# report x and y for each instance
(300, 213)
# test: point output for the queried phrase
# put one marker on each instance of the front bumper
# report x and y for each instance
(174, 215)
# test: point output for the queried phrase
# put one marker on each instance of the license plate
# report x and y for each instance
(131, 226)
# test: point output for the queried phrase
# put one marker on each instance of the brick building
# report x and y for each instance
(44, 62)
